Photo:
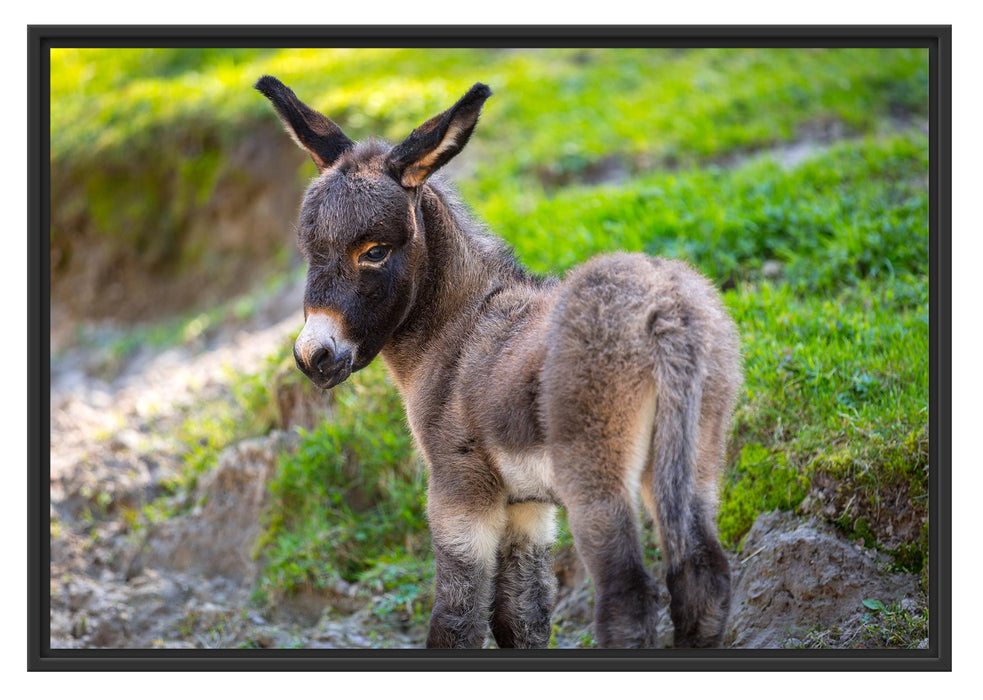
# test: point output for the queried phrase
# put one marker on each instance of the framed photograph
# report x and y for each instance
(489, 348)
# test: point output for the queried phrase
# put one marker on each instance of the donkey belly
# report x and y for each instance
(528, 475)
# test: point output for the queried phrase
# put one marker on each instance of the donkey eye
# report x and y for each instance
(375, 254)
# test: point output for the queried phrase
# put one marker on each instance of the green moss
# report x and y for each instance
(883, 479)
(761, 481)
(910, 557)
(901, 460)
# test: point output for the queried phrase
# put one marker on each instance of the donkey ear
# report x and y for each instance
(438, 140)
(312, 131)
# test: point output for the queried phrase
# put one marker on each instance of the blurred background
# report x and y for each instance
(204, 495)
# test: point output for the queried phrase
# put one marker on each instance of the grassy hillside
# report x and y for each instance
(170, 174)
(795, 179)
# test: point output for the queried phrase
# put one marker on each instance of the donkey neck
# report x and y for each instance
(463, 265)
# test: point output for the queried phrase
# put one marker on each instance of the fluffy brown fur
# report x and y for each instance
(522, 393)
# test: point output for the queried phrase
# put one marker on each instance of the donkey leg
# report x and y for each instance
(465, 546)
(626, 595)
(525, 585)
(598, 460)
(699, 583)
(697, 574)
(599, 416)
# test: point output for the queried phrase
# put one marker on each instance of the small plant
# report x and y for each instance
(349, 499)
(585, 640)
(408, 588)
(874, 604)
(892, 626)
(880, 626)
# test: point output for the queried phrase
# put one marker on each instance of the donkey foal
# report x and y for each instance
(522, 393)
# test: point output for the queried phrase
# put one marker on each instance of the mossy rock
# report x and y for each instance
(879, 495)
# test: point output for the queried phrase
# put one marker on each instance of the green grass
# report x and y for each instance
(348, 497)
(859, 211)
(583, 103)
(140, 137)
(839, 384)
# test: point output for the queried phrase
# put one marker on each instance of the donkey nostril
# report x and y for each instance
(320, 359)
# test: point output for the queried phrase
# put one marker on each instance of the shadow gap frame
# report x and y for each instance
(936, 38)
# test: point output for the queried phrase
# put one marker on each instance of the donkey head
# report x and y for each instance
(361, 229)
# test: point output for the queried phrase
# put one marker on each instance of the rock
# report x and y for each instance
(218, 537)
(771, 269)
(798, 574)
(109, 631)
(298, 401)
(79, 595)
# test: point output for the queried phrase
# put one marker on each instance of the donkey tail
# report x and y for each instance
(676, 425)
(696, 362)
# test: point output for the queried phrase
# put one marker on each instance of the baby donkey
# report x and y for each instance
(522, 393)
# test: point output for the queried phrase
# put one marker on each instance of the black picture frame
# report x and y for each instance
(937, 39)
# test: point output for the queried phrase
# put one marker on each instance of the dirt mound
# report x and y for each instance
(218, 537)
(800, 574)
(161, 246)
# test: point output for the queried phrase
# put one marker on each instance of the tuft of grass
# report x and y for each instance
(349, 497)
(880, 626)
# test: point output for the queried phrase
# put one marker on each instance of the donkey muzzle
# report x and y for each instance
(322, 352)
(325, 367)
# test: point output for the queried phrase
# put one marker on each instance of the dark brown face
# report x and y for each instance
(358, 232)
(361, 230)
